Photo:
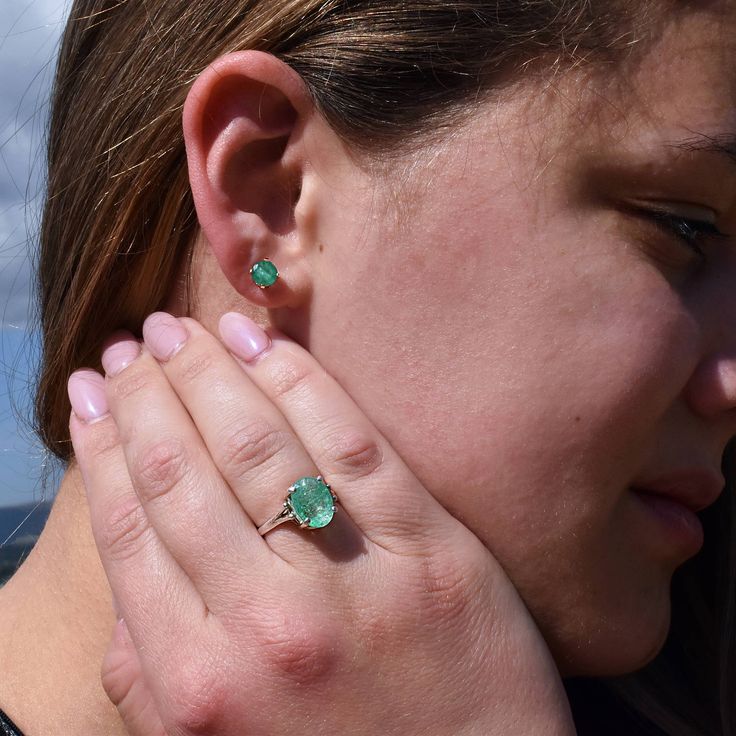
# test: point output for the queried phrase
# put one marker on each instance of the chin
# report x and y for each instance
(610, 646)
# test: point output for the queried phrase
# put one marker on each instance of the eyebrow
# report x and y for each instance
(724, 144)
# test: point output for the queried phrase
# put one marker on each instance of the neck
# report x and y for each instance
(55, 622)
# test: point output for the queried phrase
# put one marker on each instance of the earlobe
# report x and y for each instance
(243, 120)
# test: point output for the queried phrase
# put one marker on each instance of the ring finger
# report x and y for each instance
(251, 443)
(288, 392)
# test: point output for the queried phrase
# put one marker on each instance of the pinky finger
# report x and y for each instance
(156, 598)
(123, 681)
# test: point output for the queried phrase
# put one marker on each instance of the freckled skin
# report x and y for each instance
(520, 341)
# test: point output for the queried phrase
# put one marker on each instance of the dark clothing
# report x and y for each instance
(7, 727)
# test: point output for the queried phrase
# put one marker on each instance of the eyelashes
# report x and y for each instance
(689, 232)
(687, 229)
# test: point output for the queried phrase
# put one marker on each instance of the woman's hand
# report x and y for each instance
(393, 619)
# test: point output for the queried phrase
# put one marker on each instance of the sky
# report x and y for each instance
(29, 37)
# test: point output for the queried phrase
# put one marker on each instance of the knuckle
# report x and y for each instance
(406, 533)
(353, 454)
(160, 468)
(131, 381)
(381, 626)
(126, 530)
(194, 365)
(119, 674)
(198, 696)
(446, 589)
(301, 652)
(250, 446)
(102, 440)
(287, 377)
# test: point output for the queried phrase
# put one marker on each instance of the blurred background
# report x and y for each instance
(30, 31)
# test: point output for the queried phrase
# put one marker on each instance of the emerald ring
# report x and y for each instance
(310, 503)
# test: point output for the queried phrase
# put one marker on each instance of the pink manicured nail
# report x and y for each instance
(119, 355)
(243, 336)
(87, 395)
(164, 335)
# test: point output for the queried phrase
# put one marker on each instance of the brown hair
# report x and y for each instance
(119, 216)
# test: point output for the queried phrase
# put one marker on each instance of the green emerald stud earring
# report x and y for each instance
(264, 273)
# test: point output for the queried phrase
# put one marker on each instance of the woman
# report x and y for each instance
(501, 230)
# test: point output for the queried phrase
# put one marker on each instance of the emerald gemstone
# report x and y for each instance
(264, 273)
(311, 499)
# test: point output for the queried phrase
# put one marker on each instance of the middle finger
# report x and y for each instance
(185, 498)
(252, 444)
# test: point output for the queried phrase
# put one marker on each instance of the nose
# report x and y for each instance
(711, 390)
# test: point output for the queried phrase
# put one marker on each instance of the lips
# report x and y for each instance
(695, 488)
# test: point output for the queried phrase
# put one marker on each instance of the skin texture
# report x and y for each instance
(387, 621)
(546, 348)
(542, 357)
(528, 346)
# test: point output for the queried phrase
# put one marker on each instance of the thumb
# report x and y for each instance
(122, 680)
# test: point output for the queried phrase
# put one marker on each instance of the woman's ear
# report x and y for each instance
(243, 123)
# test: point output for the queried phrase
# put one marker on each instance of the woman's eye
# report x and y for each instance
(690, 231)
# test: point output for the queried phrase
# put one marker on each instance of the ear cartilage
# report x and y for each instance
(264, 273)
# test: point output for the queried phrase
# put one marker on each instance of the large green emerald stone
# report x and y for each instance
(264, 273)
(311, 500)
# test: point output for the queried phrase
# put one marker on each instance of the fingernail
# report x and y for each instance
(87, 395)
(119, 355)
(164, 334)
(243, 336)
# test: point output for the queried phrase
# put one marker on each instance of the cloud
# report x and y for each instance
(23, 460)
(29, 36)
